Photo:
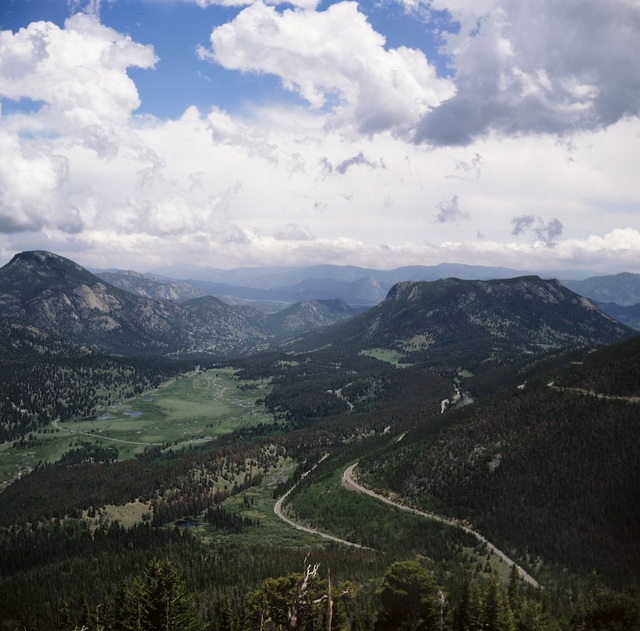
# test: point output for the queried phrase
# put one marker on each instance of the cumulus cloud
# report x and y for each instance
(78, 75)
(334, 60)
(537, 66)
(78, 71)
(450, 211)
(84, 175)
(545, 232)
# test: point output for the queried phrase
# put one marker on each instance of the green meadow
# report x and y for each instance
(200, 407)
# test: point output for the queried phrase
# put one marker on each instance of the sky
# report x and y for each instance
(136, 134)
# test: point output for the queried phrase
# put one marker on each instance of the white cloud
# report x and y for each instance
(79, 71)
(87, 177)
(334, 60)
(31, 182)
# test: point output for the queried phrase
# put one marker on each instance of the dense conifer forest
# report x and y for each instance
(538, 452)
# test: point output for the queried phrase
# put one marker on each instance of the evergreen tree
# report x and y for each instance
(513, 591)
(66, 623)
(497, 615)
(226, 621)
(157, 601)
(409, 599)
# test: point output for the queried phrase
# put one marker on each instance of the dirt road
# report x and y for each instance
(350, 482)
(277, 509)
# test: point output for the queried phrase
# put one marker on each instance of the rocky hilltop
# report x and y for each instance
(453, 320)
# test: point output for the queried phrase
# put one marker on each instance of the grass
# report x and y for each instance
(271, 531)
(203, 406)
(391, 357)
(199, 407)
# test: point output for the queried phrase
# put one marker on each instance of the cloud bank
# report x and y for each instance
(530, 140)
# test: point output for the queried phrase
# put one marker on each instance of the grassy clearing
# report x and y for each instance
(257, 503)
(203, 406)
(199, 407)
(383, 354)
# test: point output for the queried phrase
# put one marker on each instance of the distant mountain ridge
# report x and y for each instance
(137, 283)
(622, 289)
(63, 299)
(273, 288)
(357, 286)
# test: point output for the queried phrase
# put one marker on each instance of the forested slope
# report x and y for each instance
(551, 474)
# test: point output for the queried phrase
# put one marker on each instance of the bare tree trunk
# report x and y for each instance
(329, 601)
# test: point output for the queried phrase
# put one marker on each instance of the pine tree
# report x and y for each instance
(157, 601)
(409, 598)
(226, 620)
(497, 615)
(67, 623)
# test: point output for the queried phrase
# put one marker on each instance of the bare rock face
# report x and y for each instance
(147, 287)
(62, 298)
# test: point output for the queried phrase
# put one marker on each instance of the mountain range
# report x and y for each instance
(272, 289)
(61, 298)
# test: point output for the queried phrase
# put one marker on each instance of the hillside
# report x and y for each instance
(306, 315)
(551, 474)
(473, 323)
(17, 338)
(141, 285)
(63, 299)
(629, 315)
(622, 289)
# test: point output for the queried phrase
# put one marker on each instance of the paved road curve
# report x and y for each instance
(348, 478)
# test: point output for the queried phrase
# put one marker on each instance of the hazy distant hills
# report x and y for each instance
(271, 289)
(627, 315)
(63, 299)
(622, 289)
(278, 277)
(357, 286)
(454, 320)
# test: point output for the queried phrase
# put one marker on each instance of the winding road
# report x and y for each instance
(277, 509)
(348, 479)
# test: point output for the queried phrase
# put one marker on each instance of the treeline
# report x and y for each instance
(410, 596)
(46, 569)
(35, 391)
